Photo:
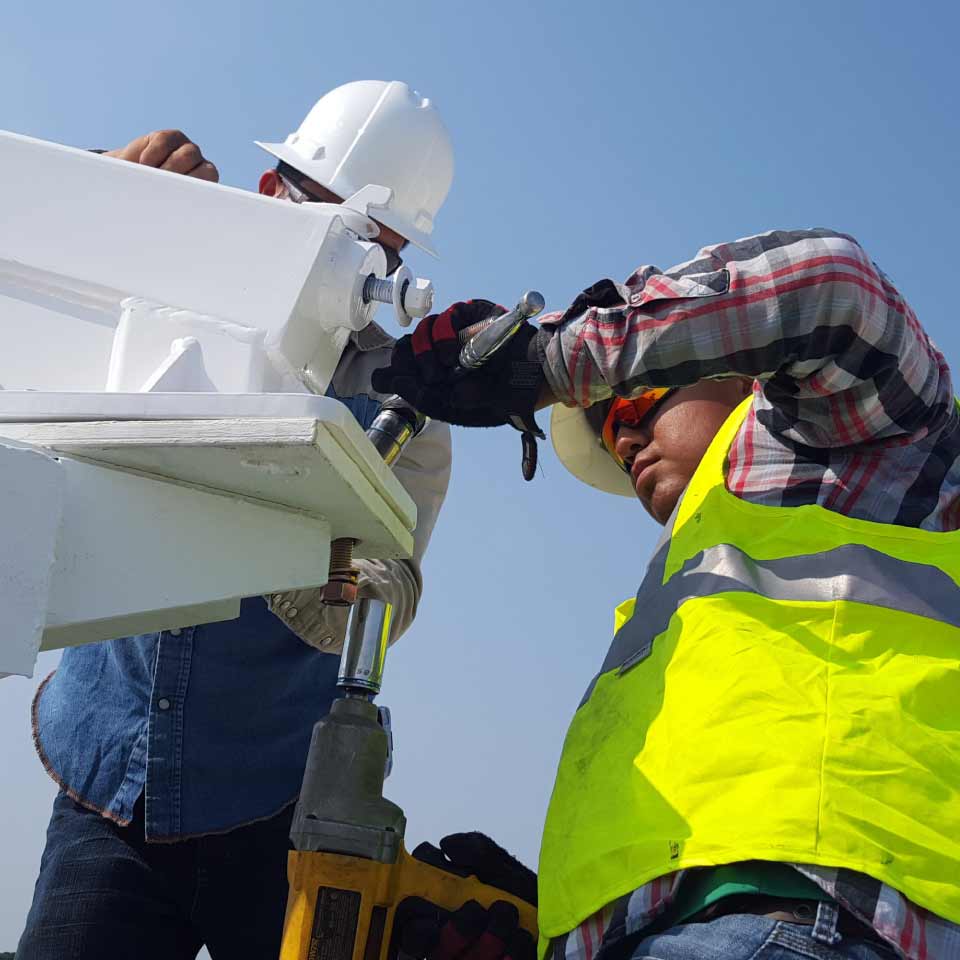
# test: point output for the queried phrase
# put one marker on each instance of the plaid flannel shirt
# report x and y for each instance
(853, 410)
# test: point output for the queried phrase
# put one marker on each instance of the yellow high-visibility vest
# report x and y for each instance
(786, 687)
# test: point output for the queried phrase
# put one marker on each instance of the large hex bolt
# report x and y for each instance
(341, 587)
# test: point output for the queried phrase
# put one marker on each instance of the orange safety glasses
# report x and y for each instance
(631, 413)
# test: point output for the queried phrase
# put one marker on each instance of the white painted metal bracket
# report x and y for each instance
(161, 452)
(290, 274)
(160, 523)
(31, 509)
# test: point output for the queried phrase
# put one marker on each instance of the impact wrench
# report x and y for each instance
(349, 869)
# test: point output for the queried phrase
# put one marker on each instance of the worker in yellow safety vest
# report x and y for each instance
(767, 762)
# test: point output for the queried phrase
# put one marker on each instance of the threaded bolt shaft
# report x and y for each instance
(377, 289)
(341, 558)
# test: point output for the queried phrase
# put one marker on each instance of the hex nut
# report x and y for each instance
(418, 297)
(339, 593)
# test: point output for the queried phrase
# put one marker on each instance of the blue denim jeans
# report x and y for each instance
(747, 937)
(105, 894)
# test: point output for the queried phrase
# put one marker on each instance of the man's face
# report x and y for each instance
(272, 184)
(665, 449)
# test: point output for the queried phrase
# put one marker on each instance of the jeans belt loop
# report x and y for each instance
(825, 927)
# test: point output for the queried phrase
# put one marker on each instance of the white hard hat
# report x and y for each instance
(575, 433)
(377, 132)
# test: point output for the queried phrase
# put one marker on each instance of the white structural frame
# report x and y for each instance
(163, 452)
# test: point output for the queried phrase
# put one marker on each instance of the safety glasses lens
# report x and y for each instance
(629, 412)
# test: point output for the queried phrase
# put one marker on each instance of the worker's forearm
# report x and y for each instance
(728, 311)
(802, 311)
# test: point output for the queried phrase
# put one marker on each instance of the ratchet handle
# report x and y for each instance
(482, 340)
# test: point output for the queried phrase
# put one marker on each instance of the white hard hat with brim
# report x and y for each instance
(383, 133)
(580, 449)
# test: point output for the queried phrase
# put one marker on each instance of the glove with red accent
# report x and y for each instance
(423, 931)
(424, 370)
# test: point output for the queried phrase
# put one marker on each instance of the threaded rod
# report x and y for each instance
(378, 289)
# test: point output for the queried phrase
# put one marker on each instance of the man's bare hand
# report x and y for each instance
(168, 150)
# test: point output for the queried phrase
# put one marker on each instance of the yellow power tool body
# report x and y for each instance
(342, 907)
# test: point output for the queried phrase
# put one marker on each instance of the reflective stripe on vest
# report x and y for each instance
(789, 690)
(853, 572)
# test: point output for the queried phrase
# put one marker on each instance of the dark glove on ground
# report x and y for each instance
(424, 370)
(425, 932)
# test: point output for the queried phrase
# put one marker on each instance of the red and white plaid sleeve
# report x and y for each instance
(840, 354)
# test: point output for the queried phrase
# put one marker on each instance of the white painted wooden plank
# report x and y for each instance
(298, 463)
(24, 406)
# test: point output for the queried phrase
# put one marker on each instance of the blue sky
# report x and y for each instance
(590, 138)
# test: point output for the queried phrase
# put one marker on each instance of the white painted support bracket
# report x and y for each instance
(31, 508)
(138, 554)
(152, 256)
(93, 552)
(123, 527)
(168, 485)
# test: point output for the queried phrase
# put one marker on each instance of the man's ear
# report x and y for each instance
(271, 185)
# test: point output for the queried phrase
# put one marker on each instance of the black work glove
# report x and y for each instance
(424, 370)
(425, 932)
(475, 854)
